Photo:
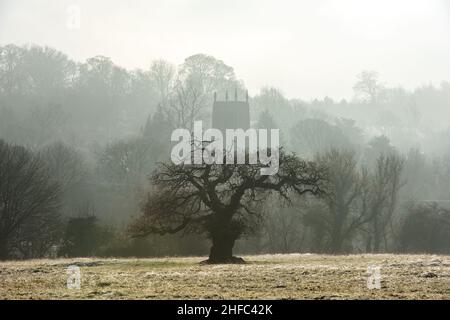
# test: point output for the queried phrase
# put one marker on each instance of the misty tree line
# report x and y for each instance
(78, 142)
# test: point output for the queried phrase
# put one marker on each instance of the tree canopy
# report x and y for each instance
(222, 201)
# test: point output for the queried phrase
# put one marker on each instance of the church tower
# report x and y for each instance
(231, 114)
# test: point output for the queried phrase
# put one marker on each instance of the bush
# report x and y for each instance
(426, 229)
(85, 237)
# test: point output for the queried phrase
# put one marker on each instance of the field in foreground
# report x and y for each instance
(294, 276)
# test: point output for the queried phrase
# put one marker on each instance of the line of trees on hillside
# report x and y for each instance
(329, 205)
(79, 142)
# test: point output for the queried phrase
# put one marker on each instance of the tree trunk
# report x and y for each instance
(336, 245)
(3, 250)
(376, 236)
(336, 240)
(369, 244)
(337, 236)
(221, 249)
(222, 246)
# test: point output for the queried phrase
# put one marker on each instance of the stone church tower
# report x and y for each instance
(233, 114)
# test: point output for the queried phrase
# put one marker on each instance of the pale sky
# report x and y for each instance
(307, 49)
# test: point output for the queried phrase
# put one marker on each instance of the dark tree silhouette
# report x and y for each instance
(29, 203)
(221, 200)
(425, 228)
(357, 199)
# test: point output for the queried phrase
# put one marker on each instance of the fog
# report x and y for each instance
(308, 49)
(359, 91)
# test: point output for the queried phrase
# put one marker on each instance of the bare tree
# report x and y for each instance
(162, 74)
(382, 199)
(207, 74)
(282, 227)
(425, 228)
(66, 165)
(125, 162)
(197, 79)
(47, 123)
(358, 199)
(13, 77)
(368, 88)
(220, 200)
(313, 136)
(345, 187)
(186, 104)
(29, 201)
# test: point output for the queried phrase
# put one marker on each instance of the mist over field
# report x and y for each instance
(91, 94)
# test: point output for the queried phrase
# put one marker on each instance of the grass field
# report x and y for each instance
(295, 276)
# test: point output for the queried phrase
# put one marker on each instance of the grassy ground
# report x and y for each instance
(296, 276)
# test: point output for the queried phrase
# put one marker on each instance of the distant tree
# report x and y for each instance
(71, 172)
(186, 105)
(13, 77)
(157, 132)
(266, 121)
(345, 187)
(381, 200)
(368, 88)
(96, 73)
(65, 164)
(45, 124)
(198, 78)
(9, 130)
(84, 236)
(143, 96)
(125, 162)
(417, 175)
(315, 219)
(273, 100)
(207, 74)
(29, 203)
(220, 200)
(311, 136)
(103, 90)
(282, 228)
(378, 145)
(49, 71)
(162, 74)
(358, 200)
(349, 129)
(425, 229)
